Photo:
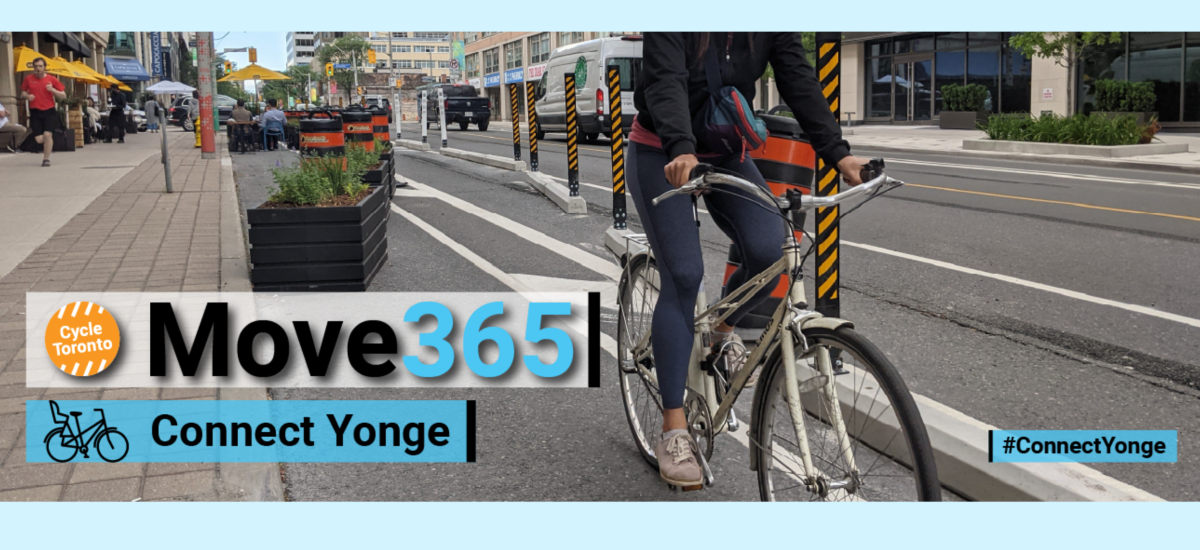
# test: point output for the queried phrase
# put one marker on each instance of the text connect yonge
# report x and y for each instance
(213, 330)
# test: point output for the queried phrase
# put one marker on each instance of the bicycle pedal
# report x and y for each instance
(686, 488)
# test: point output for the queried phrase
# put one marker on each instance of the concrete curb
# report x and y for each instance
(410, 144)
(557, 193)
(960, 449)
(487, 160)
(1149, 166)
(1032, 148)
(238, 481)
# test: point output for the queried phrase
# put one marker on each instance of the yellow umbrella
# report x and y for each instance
(95, 76)
(71, 70)
(25, 57)
(254, 72)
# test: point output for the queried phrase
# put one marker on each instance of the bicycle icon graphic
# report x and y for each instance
(63, 442)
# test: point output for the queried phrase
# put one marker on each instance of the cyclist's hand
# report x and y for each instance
(680, 168)
(851, 169)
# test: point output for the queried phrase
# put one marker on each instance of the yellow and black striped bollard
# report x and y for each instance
(572, 137)
(618, 146)
(530, 92)
(516, 121)
(829, 46)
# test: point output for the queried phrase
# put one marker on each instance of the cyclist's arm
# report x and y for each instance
(664, 86)
(801, 91)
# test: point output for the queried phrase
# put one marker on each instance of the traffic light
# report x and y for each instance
(253, 55)
(360, 90)
(371, 56)
(228, 67)
(329, 69)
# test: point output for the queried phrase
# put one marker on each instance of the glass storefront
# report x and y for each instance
(1170, 60)
(905, 74)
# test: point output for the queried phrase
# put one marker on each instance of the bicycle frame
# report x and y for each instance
(77, 440)
(785, 324)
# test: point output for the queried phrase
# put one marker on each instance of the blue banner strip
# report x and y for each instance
(1082, 445)
(250, 431)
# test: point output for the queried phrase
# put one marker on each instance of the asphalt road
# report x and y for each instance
(1026, 295)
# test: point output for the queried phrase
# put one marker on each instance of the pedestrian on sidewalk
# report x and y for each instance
(92, 132)
(150, 106)
(15, 130)
(41, 90)
(116, 116)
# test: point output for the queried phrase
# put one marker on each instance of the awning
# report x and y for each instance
(126, 69)
(70, 42)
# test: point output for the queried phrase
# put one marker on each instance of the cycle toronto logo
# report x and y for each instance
(66, 441)
(82, 339)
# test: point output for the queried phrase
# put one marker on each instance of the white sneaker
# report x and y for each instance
(677, 462)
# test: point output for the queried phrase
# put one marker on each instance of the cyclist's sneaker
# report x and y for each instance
(677, 463)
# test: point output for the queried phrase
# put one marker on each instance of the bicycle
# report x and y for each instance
(109, 443)
(801, 443)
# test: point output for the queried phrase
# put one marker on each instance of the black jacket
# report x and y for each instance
(116, 99)
(671, 72)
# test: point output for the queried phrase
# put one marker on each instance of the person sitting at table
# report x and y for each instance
(270, 115)
(240, 114)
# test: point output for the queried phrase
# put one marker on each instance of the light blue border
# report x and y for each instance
(573, 526)
(768, 15)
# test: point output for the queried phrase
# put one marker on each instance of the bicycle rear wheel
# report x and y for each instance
(638, 293)
(57, 449)
(893, 459)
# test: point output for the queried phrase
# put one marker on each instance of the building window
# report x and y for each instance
(539, 48)
(1158, 57)
(565, 38)
(879, 87)
(444, 64)
(379, 49)
(425, 64)
(470, 37)
(512, 55)
(404, 64)
(431, 35)
(401, 49)
(443, 49)
(399, 35)
(1191, 86)
(472, 65)
(491, 61)
(983, 68)
(424, 49)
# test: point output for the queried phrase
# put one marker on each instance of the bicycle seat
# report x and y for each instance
(76, 413)
(57, 413)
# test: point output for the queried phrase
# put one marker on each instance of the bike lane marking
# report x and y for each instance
(1064, 175)
(1034, 285)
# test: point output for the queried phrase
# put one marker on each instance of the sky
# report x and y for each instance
(271, 46)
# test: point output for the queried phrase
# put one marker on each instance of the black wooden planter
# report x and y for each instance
(384, 176)
(319, 248)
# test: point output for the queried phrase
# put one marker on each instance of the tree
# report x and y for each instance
(809, 41)
(296, 86)
(1067, 49)
(351, 50)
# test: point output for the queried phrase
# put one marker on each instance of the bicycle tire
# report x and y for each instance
(637, 395)
(863, 355)
(53, 440)
(107, 438)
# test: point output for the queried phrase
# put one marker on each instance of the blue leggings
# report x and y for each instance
(675, 240)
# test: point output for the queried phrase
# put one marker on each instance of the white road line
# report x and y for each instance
(1030, 284)
(606, 342)
(570, 252)
(1065, 175)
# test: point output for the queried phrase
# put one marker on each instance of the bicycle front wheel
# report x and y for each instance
(885, 455)
(112, 445)
(638, 293)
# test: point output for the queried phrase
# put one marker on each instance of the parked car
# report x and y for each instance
(462, 104)
(179, 109)
(591, 92)
(387, 104)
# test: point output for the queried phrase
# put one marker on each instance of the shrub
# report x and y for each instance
(1076, 129)
(963, 98)
(1125, 97)
(318, 179)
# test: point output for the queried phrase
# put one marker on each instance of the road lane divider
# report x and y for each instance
(557, 194)
(1048, 201)
(494, 161)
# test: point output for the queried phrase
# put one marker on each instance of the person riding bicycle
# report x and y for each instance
(668, 143)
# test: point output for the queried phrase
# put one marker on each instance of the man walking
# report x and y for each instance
(41, 90)
(116, 116)
(7, 128)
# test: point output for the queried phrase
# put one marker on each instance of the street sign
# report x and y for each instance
(426, 79)
(341, 65)
(454, 64)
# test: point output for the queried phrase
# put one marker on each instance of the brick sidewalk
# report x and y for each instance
(133, 237)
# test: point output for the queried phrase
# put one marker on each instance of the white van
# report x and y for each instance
(589, 61)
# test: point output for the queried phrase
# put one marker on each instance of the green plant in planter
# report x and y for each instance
(1009, 127)
(382, 146)
(1125, 97)
(1075, 129)
(970, 97)
(320, 179)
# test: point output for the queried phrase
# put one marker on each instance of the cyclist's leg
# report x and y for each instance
(671, 229)
(758, 233)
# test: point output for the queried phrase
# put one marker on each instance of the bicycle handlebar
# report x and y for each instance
(707, 178)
